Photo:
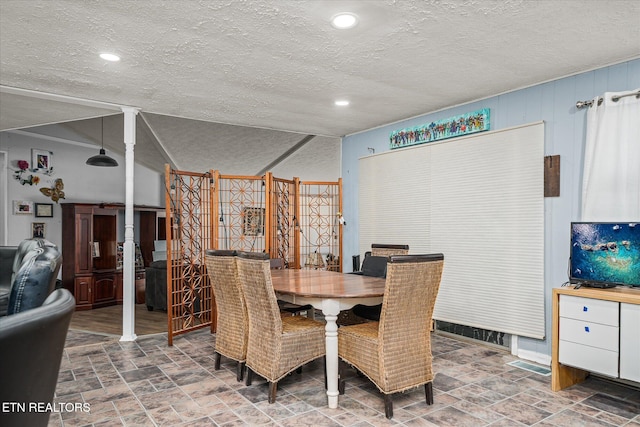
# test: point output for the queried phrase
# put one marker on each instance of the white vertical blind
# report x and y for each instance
(479, 200)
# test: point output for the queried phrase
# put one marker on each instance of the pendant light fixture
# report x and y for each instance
(102, 159)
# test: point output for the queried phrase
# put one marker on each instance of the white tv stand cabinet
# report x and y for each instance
(595, 330)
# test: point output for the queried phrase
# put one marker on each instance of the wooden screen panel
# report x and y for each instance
(283, 231)
(190, 304)
(319, 211)
(240, 213)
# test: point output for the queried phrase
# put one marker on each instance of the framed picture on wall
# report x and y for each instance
(38, 229)
(42, 161)
(22, 207)
(253, 221)
(44, 210)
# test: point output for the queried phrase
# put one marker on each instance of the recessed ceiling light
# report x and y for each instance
(345, 20)
(342, 103)
(110, 57)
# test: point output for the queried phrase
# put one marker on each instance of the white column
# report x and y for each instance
(128, 270)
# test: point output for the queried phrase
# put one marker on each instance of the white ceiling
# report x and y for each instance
(203, 71)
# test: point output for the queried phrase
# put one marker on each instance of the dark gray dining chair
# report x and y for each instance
(378, 268)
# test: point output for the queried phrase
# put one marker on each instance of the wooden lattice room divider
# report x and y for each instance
(295, 221)
(189, 294)
(284, 240)
(239, 211)
(319, 211)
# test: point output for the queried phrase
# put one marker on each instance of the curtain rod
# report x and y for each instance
(614, 98)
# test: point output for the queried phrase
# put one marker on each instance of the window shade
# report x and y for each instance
(479, 200)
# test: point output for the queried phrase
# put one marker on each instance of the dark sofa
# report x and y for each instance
(7, 255)
(156, 286)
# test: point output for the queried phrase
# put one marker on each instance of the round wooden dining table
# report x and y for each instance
(330, 292)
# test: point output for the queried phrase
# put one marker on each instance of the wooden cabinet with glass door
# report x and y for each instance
(92, 267)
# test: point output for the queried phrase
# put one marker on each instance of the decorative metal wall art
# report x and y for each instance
(56, 192)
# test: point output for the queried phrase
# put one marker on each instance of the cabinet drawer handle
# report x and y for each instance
(585, 308)
(586, 329)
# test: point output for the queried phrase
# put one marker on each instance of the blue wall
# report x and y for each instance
(554, 103)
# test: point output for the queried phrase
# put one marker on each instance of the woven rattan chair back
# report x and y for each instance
(232, 330)
(265, 323)
(405, 320)
(277, 346)
(379, 249)
(395, 353)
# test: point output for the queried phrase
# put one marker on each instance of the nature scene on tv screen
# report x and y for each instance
(606, 252)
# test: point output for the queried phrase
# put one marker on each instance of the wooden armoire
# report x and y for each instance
(92, 236)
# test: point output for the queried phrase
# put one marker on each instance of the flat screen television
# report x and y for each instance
(605, 254)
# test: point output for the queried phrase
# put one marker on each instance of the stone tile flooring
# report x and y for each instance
(147, 383)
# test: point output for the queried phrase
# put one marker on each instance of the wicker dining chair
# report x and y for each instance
(384, 249)
(372, 312)
(285, 306)
(395, 353)
(232, 331)
(277, 345)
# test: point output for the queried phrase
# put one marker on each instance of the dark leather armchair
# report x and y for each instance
(31, 346)
(35, 280)
(30, 272)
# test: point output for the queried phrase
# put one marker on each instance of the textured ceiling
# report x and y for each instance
(279, 65)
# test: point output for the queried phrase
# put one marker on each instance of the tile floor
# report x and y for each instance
(147, 383)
